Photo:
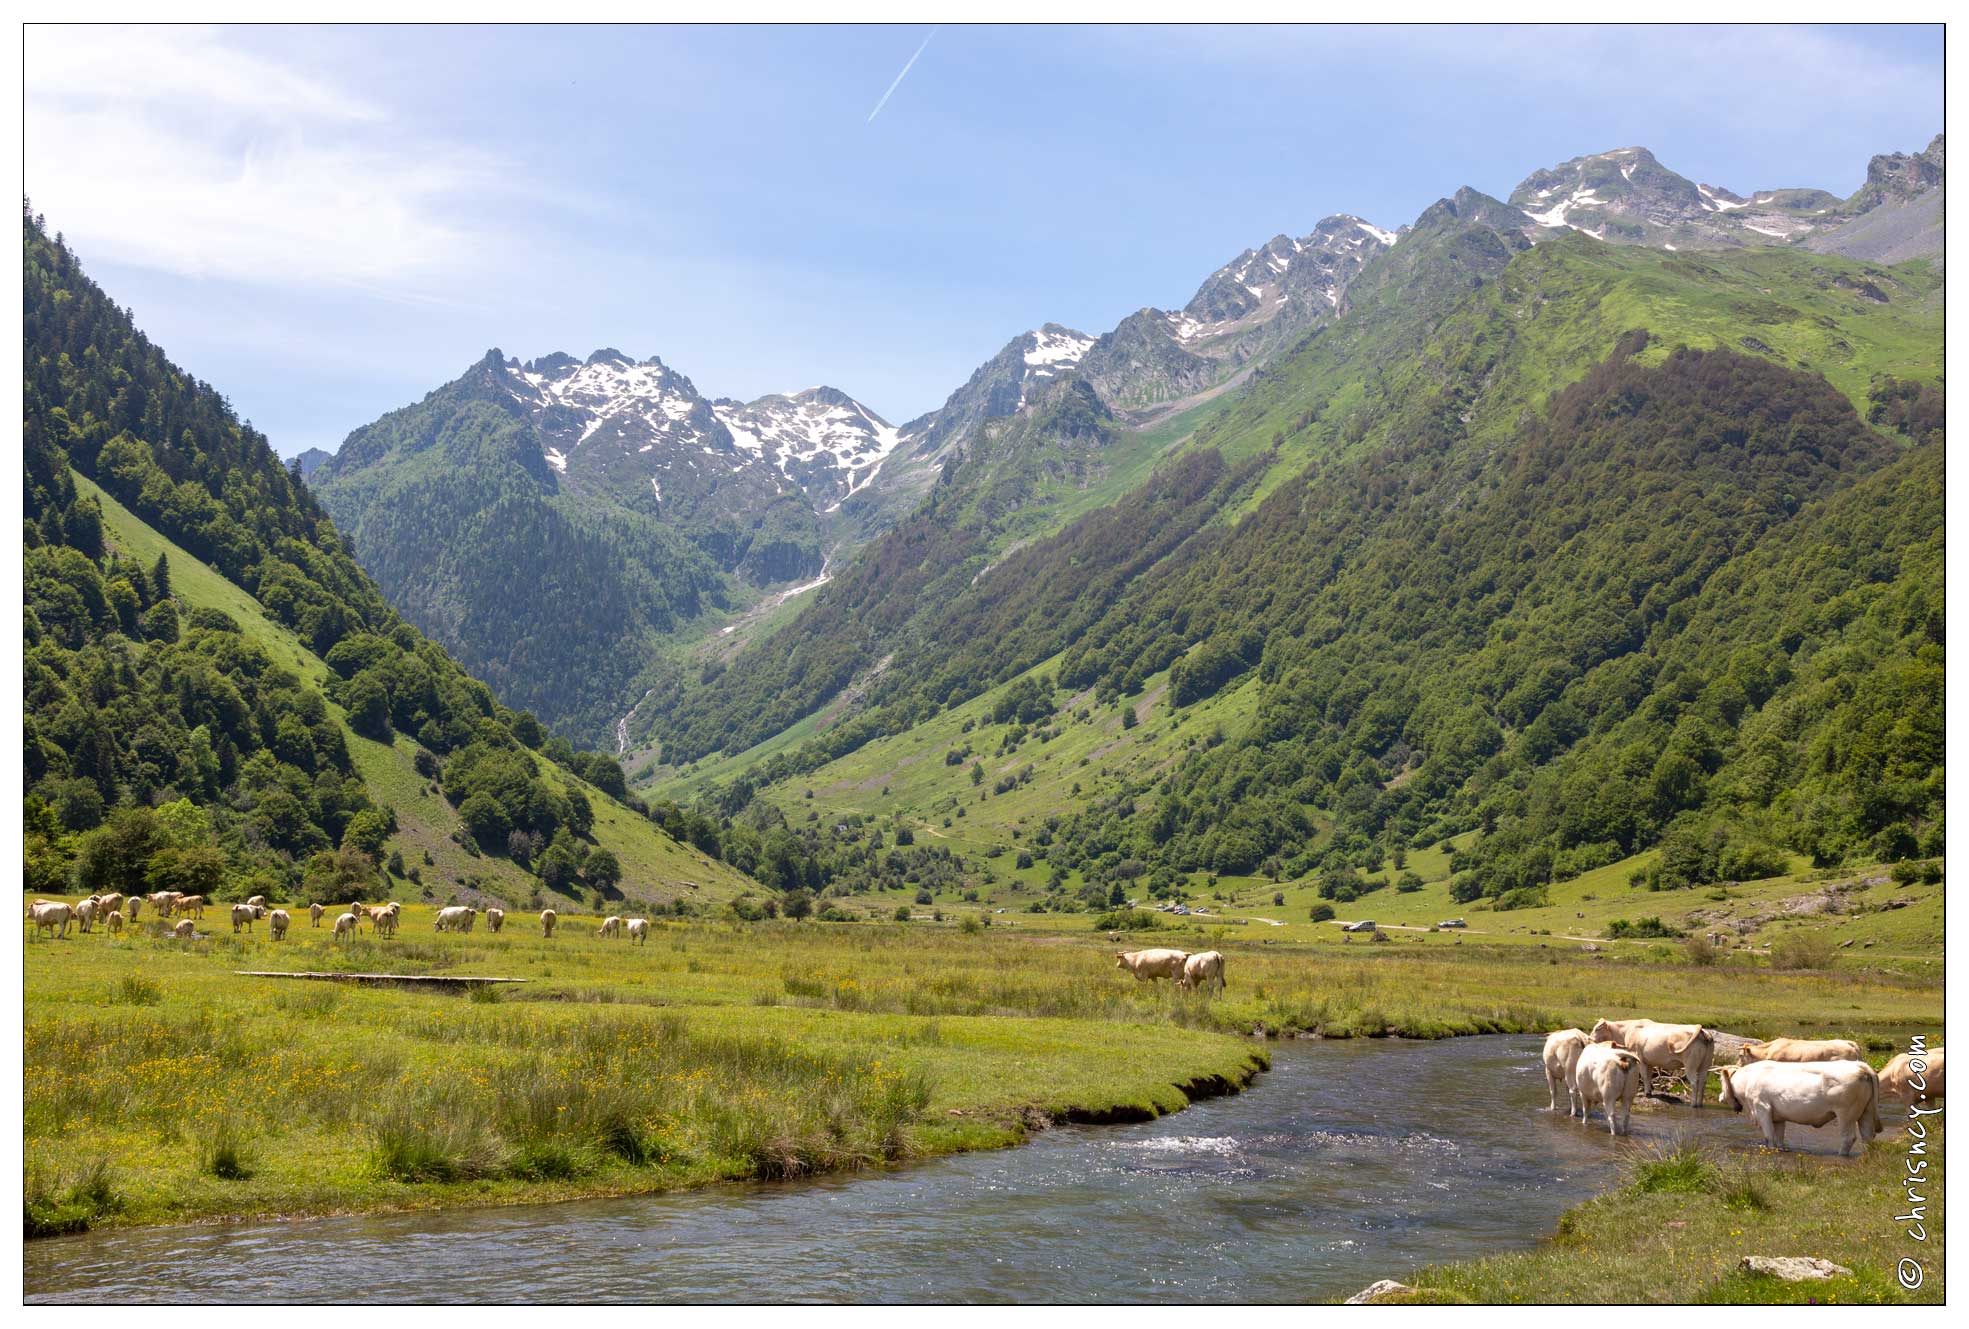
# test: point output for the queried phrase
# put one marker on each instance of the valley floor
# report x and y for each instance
(162, 1085)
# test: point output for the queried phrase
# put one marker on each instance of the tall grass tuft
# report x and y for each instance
(58, 1201)
(227, 1153)
(1677, 1169)
(136, 990)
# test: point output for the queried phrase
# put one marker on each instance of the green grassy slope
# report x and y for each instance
(655, 867)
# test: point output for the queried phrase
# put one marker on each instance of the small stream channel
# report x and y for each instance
(1348, 1162)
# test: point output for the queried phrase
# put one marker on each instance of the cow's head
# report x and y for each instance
(1752, 1052)
(1121, 959)
(1604, 1032)
(1727, 1094)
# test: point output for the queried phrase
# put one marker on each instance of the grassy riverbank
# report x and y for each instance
(161, 1086)
(1677, 1228)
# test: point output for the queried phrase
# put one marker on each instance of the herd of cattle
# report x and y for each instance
(1807, 1082)
(115, 912)
(1785, 1081)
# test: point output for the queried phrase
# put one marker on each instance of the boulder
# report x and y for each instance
(1791, 1268)
(1376, 1290)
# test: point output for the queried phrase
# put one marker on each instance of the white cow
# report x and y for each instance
(244, 914)
(1149, 965)
(547, 920)
(1609, 1076)
(277, 924)
(639, 931)
(611, 926)
(186, 929)
(345, 925)
(1688, 1048)
(114, 922)
(1897, 1077)
(494, 918)
(260, 900)
(1206, 968)
(1810, 1093)
(85, 914)
(1562, 1050)
(1800, 1049)
(456, 918)
(130, 908)
(49, 915)
(108, 903)
(164, 902)
(384, 920)
(315, 911)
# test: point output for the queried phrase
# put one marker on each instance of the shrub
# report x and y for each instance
(1804, 950)
(902, 913)
(1127, 920)
(1699, 949)
(1322, 912)
(1650, 926)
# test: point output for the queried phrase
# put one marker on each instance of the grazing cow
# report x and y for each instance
(186, 929)
(1810, 1093)
(639, 931)
(457, 918)
(547, 919)
(260, 900)
(193, 905)
(164, 902)
(385, 919)
(131, 907)
(315, 912)
(108, 903)
(85, 914)
(1609, 1076)
(1913, 1079)
(345, 924)
(1147, 966)
(1800, 1049)
(48, 915)
(611, 926)
(277, 924)
(1206, 968)
(1688, 1048)
(114, 922)
(1562, 1051)
(493, 918)
(244, 914)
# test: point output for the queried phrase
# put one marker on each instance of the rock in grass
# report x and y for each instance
(1793, 1268)
(1375, 1290)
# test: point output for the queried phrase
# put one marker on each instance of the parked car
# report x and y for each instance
(1453, 923)
(1365, 925)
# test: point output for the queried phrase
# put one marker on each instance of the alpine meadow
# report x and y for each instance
(1207, 780)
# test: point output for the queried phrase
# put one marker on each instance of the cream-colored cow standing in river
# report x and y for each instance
(1800, 1049)
(1150, 965)
(1562, 1050)
(1688, 1048)
(1609, 1076)
(1808, 1093)
(1898, 1077)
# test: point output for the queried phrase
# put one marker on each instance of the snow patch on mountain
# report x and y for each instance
(1056, 347)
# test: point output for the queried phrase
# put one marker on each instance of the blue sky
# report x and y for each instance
(328, 223)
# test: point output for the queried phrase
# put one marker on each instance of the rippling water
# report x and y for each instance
(1348, 1162)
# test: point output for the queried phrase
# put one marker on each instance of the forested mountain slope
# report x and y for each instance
(219, 700)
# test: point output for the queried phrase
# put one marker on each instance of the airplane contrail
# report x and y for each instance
(899, 78)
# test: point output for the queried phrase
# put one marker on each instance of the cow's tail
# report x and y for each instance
(1872, 1117)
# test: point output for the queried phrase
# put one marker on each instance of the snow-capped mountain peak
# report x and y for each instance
(821, 438)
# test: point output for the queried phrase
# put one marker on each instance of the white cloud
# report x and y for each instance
(175, 149)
